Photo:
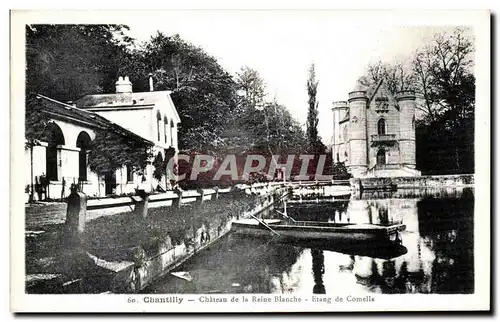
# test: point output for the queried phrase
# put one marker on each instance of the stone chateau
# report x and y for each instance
(374, 132)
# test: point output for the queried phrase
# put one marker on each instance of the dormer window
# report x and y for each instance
(381, 104)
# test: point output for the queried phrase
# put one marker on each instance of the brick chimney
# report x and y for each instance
(123, 85)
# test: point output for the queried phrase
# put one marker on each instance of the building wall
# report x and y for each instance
(68, 168)
(137, 120)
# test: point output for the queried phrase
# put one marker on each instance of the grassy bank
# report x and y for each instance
(112, 237)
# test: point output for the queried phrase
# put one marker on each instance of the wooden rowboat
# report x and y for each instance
(316, 230)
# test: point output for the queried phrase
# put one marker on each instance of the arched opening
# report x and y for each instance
(83, 142)
(381, 126)
(381, 157)
(171, 133)
(413, 123)
(165, 128)
(158, 121)
(54, 137)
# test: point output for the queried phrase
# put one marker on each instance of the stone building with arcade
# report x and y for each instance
(374, 132)
(61, 156)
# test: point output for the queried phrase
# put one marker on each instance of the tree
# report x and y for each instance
(312, 112)
(111, 151)
(202, 91)
(445, 85)
(444, 79)
(66, 62)
(251, 87)
(262, 125)
(398, 76)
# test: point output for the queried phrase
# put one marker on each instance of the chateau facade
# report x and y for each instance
(374, 132)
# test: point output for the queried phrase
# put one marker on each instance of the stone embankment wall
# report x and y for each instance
(139, 246)
(149, 262)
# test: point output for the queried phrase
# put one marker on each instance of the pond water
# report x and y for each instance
(436, 257)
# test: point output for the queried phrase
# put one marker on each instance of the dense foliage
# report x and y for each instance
(66, 62)
(110, 151)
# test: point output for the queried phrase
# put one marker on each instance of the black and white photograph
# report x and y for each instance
(250, 161)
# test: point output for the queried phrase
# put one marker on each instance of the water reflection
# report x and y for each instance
(318, 267)
(436, 256)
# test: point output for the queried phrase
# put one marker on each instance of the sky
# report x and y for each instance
(282, 44)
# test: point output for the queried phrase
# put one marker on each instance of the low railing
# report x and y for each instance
(388, 166)
(186, 196)
(383, 137)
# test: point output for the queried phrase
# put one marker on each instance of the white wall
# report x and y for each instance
(137, 120)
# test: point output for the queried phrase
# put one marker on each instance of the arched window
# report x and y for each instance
(413, 123)
(54, 137)
(171, 133)
(158, 120)
(381, 126)
(165, 128)
(381, 157)
(83, 142)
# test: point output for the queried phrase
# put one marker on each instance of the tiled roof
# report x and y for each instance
(60, 110)
(121, 99)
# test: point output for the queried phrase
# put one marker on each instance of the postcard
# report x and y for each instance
(250, 161)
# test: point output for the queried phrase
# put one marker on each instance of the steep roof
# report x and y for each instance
(370, 92)
(66, 112)
(381, 84)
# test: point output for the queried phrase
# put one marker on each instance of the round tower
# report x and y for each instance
(358, 161)
(339, 110)
(406, 102)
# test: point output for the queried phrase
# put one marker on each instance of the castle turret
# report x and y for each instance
(358, 161)
(406, 102)
(339, 110)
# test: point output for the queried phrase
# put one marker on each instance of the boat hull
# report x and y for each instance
(353, 233)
